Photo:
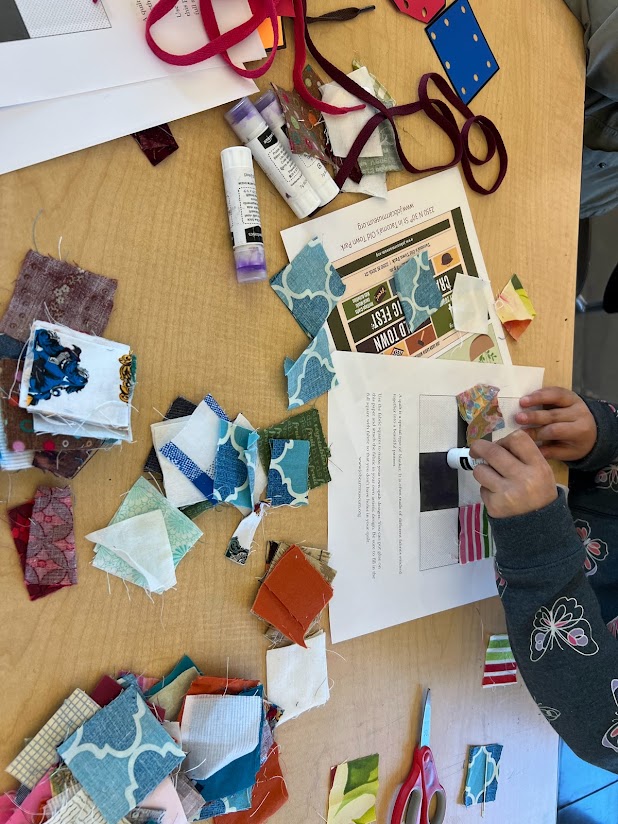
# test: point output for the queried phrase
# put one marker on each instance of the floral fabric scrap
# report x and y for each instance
(353, 793)
(479, 408)
(514, 308)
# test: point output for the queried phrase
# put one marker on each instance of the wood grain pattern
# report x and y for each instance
(163, 233)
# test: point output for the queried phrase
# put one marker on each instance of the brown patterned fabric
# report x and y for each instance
(49, 288)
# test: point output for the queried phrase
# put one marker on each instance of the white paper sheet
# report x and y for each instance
(39, 131)
(369, 241)
(374, 499)
(57, 65)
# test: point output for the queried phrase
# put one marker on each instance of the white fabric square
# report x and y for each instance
(179, 490)
(438, 421)
(218, 729)
(77, 378)
(469, 304)
(297, 678)
(372, 185)
(49, 424)
(343, 129)
(469, 488)
(439, 538)
(143, 543)
(509, 408)
(199, 437)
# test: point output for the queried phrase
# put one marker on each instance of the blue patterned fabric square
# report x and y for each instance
(310, 287)
(462, 49)
(120, 755)
(483, 774)
(312, 374)
(240, 774)
(232, 804)
(237, 450)
(288, 473)
(417, 290)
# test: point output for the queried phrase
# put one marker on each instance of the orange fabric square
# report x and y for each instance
(292, 595)
(269, 794)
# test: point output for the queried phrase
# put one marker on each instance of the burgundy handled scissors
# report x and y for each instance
(422, 799)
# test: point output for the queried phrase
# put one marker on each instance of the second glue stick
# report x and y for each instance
(313, 169)
(275, 162)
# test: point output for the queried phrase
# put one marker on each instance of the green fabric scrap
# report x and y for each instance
(304, 427)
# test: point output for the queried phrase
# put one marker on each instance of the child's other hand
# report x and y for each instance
(515, 478)
(566, 431)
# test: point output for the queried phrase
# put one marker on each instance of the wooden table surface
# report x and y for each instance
(163, 233)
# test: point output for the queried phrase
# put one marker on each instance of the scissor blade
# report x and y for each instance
(426, 725)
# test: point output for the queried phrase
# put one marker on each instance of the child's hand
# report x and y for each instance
(515, 478)
(566, 431)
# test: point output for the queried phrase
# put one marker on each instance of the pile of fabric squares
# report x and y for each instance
(186, 747)
(294, 591)
(201, 459)
(65, 391)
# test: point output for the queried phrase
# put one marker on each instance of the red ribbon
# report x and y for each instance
(436, 109)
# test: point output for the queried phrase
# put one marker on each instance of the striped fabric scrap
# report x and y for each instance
(475, 538)
(500, 666)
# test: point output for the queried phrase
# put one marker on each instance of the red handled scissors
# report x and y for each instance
(422, 799)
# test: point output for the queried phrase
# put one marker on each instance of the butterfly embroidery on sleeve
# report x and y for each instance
(596, 550)
(501, 582)
(563, 625)
(610, 739)
(613, 627)
(607, 478)
(550, 713)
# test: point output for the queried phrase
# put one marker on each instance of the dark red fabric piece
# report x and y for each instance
(157, 143)
(19, 520)
(105, 691)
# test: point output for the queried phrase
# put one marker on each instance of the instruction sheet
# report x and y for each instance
(393, 503)
(369, 241)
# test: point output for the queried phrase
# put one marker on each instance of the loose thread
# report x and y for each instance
(36, 220)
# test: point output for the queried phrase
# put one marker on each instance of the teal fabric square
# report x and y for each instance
(183, 665)
(483, 773)
(235, 464)
(140, 499)
(288, 473)
(312, 374)
(310, 287)
(417, 290)
(120, 755)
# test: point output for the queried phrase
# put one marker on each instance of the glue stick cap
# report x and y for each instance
(245, 119)
(269, 103)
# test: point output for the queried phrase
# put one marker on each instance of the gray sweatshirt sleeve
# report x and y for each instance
(600, 21)
(566, 656)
